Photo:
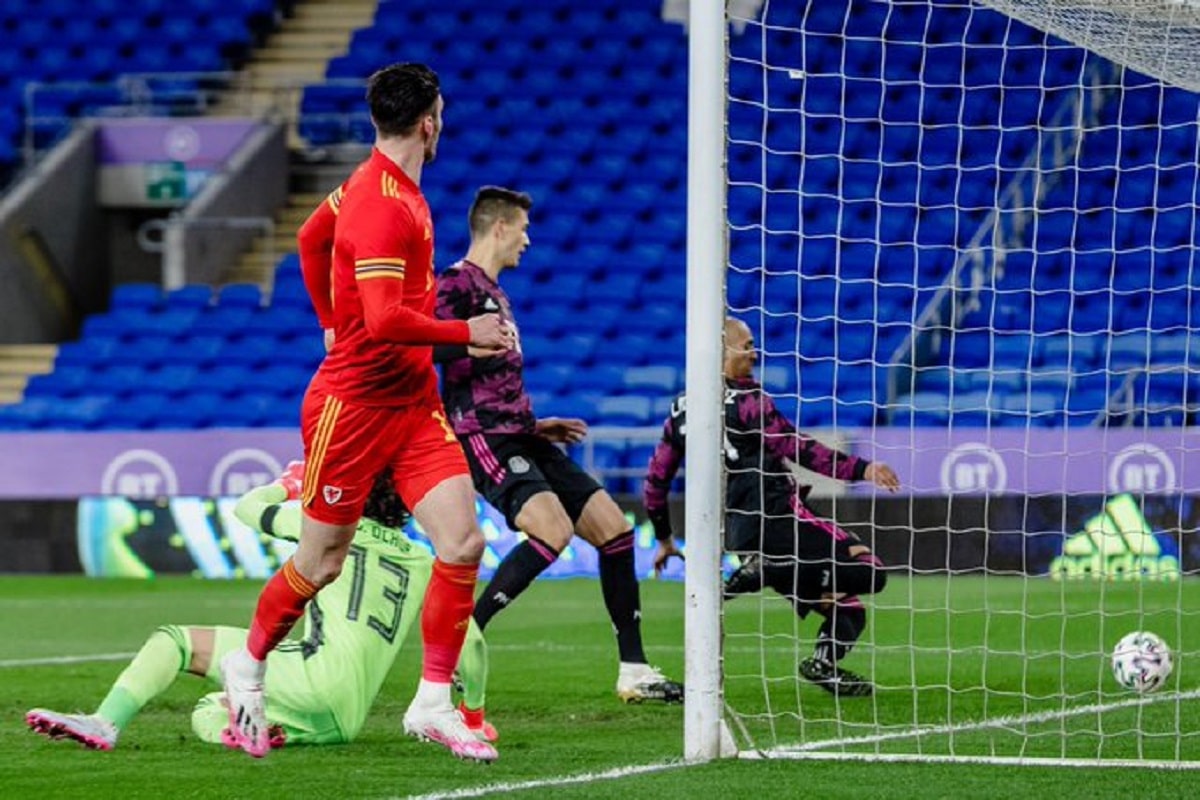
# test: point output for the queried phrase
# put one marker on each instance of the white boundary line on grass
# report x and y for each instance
(996, 761)
(542, 783)
(814, 749)
(50, 660)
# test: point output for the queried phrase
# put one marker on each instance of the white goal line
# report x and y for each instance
(815, 749)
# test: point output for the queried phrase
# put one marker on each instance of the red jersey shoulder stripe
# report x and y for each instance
(335, 200)
(389, 186)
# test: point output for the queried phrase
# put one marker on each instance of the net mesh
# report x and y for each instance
(965, 245)
(1157, 37)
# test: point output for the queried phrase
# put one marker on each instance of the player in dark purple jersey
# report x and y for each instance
(513, 455)
(784, 545)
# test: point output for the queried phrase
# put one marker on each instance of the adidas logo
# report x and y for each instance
(1116, 544)
(501, 599)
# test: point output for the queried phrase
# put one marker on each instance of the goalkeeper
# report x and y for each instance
(809, 560)
(322, 686)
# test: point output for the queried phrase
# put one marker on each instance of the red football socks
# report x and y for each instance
(281, 603)
(448, 604)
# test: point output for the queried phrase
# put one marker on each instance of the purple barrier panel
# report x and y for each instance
(197, 143)
(929, 461)
(142, 464)
(1037, 460)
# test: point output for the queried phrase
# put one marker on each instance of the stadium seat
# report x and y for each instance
(192, 296)
(651, 380)
(625, 410)
(921, 409)
(973, 409)
(136, 296)
(240, 295)
(88, 353)
(139, 412)
(64, 381)
(601, 378)
(197, 410)
(85, 412)
(576, 405)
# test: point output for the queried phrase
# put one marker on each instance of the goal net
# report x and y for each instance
(963, 236)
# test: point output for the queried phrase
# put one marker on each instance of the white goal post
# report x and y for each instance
(704, 477)
(964, 235)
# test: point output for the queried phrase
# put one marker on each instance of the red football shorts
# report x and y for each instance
(346, 446)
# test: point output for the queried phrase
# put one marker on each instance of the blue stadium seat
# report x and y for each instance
(578, 405)
(1039, 408)
(192, 296)
(144, 351)
(223, 321)
(139, 412)
(199, 350)
(922, 409)
(197, 410)
(122, 380)
(602, 378)
(1172, 349)
(64, 381)
(226, 379)
(253, 351)
(629, 348)
(139, 296)
(249, 410)
(114, 325)
(1129, 350)
(88, 353)
(240, 295)
(173, 379)
(656, 380)
(1069, 352)
(290, 293)
(625, 410)
(290, 322)
(973, 409)
(549, 378)
(778, 378)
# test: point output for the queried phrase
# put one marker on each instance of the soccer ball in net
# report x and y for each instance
(1141, 661)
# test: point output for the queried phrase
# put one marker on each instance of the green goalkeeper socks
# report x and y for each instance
(473, 667)
(153, 669)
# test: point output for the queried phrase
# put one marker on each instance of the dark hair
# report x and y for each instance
(384, 505)
(399, 95)
(492, 203)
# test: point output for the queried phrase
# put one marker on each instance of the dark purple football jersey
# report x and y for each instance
(482, 395)
(758, 442)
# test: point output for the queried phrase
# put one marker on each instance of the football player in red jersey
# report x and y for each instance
(367, 258)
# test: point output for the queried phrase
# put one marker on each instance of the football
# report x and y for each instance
(1141, 662)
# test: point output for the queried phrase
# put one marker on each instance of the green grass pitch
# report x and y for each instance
(551, 695)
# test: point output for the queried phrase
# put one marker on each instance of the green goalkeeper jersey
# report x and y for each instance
(354, 628)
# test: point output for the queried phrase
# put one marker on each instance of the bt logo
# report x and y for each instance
(139, 474)
(1141, 468)
(973, 467)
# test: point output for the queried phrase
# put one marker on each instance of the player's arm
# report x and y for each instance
(314, 243)
(656, 489)
(383, 238)
(783, 441)
(265, 508)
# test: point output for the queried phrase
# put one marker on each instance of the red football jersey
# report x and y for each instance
(381, 289)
